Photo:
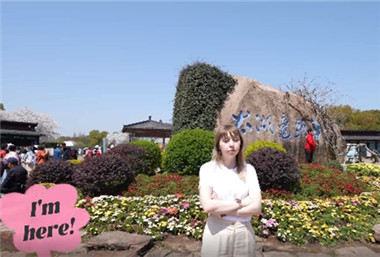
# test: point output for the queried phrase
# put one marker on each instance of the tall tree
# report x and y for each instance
(321, 97)
(96, 137)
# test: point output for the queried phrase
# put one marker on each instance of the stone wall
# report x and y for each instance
(265, 113)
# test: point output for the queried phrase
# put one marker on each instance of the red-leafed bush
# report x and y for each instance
(103, 175)
(57, 172)
(134, 155)
(275, 169)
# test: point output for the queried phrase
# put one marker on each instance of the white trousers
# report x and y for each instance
(223, 238)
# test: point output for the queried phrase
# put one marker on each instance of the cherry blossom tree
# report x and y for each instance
(46, 125)
(118, 138)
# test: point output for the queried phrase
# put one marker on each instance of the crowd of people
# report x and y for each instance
(17, 162)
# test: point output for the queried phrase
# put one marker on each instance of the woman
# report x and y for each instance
(230, 193)
(42, 155)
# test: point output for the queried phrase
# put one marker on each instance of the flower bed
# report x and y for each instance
(327, 219)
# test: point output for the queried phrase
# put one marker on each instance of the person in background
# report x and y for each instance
(12, 153)
(16, 177)
(310, 146)
(41, 155)
(57, 153)
(66, 152)
(230, 193)
(88, 153)
(29, 160)
(4, 150)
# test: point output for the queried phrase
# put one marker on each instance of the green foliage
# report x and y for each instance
(262, 144)
(201, 92)
(163, 184)
(275, 169)
(153, 155)
(96, 137)
(334, 164)
(78, 161)
(188, 150)
(353, 119)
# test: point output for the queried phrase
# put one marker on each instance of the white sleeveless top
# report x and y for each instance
(227, 184)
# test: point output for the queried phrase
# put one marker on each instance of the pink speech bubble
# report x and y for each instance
(44, 220)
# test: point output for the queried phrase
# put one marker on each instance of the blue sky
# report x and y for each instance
(101, 65)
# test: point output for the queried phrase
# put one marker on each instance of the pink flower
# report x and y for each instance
(164, 210)
(186, 206)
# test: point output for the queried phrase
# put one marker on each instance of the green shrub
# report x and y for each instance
(75, 162)
(188, 150)
(275, 169)
(57, 172)
(103, 175)
(262, 144)
(334, 164)
(201, 92)
(153, 155)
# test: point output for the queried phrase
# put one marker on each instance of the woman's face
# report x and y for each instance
(229, 145)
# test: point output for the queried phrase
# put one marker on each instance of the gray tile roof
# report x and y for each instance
(20, 132)
(148, 125)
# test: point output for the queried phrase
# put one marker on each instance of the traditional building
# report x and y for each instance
(369, 137)
(149, 129)
(19, 133)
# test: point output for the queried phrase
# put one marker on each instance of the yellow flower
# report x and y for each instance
(107, 213)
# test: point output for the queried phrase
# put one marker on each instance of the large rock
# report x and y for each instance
(136, 244)
(376, 235)
(265, 113)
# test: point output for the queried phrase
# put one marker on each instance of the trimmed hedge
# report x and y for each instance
(57, 172)
(275, 169)
(134, 155)
(153, 155)
(262, 144)
(103, 175)
(188, 150)
(201, 92)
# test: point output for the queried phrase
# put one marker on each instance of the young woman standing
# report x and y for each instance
(230, 193)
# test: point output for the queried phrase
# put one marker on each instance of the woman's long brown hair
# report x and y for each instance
(223, 131)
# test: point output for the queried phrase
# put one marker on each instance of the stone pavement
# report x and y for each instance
(118, 244)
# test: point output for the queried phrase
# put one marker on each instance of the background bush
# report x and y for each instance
(262, 144)
(188, 150)
(334, 164)
(57, 172)
(134, 155)
(200, 94)
(153, 155)
(275, 169)
(103, 175)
